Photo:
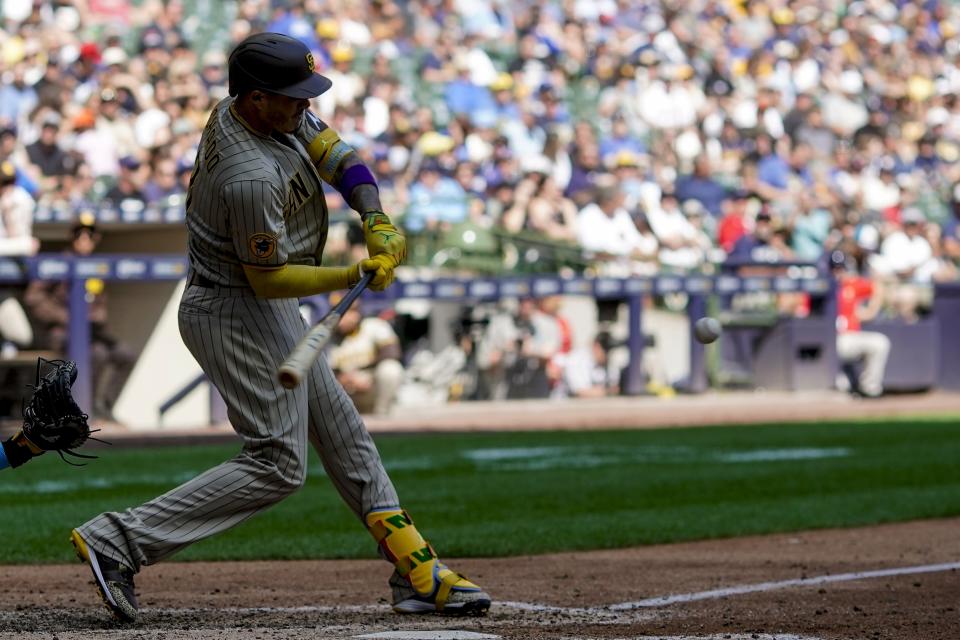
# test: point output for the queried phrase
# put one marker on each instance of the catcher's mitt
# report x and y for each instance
(52, 421)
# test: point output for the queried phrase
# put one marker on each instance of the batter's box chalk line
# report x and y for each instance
(443, 634)
(664, 601)
(613, 611)
(471, 635)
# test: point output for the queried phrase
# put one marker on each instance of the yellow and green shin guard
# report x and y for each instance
(414, 558)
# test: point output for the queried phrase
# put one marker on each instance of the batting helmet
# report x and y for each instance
(276, 63)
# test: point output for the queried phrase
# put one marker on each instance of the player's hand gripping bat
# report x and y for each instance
(295, 367)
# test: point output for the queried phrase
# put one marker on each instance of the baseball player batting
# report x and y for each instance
(257, 224)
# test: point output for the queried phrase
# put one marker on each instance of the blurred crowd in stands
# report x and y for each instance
(646, 135)
(603, 136)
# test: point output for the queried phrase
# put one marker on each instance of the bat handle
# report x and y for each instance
(295, 367)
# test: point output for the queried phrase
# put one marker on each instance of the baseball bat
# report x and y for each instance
(302, 357)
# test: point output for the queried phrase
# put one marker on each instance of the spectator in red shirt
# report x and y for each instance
(858, 300)
(733, 225)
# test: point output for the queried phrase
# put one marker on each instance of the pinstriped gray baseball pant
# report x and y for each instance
(239, 341)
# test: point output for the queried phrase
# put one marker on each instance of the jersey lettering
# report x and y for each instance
(297, 194)
(210, 156)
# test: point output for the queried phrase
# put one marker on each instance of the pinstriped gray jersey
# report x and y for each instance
(253, 199)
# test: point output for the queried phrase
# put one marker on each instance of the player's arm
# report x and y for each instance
(255, 208)
(340, 166)
(300, 280)
(14, 453)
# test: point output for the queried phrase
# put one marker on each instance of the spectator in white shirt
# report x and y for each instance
(606, 229)
(906, 253)
(680, 242)
(669, 101)
(879, 190)
(16, 239)
(586, 373)
(16, 215)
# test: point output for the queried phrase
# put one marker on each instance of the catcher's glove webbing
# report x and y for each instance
(52, 421)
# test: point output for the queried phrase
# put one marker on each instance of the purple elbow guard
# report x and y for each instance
(353, 177)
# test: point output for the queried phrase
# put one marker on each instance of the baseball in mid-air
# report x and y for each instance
(707, 329)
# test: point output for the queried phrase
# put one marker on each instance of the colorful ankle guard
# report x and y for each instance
(403, 545)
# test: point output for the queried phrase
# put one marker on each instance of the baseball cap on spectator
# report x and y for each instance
(503, 82)
(214, 58)
(648, 57)
(184, 166)
(535, 163)
(152, 39)
(84, 119)
(90, 52)
(838, 260)
(85, 221)
(388, 49)
(342, 53)
(130, 163)
(51, 120)
(67, 18)
(328, 29)
(948, 150)
(912, 215)
(8, 129)
(432, 165)
(626, 158)
(783, 16)
(113, 56)
(920, 89)
(433, 143)
(8, 173)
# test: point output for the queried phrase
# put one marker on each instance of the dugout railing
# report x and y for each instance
(466, 290)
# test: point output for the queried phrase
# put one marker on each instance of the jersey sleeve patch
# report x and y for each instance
(262, 245)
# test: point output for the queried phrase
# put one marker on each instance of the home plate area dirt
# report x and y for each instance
(896, 581)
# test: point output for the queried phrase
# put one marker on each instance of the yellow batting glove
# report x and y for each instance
(383, 238)
(382, 265)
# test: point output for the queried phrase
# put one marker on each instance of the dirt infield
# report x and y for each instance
(821, 584)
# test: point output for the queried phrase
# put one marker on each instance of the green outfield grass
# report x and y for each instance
(497, 494)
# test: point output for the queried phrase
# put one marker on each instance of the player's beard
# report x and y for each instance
(291, 125)
(297, 122)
